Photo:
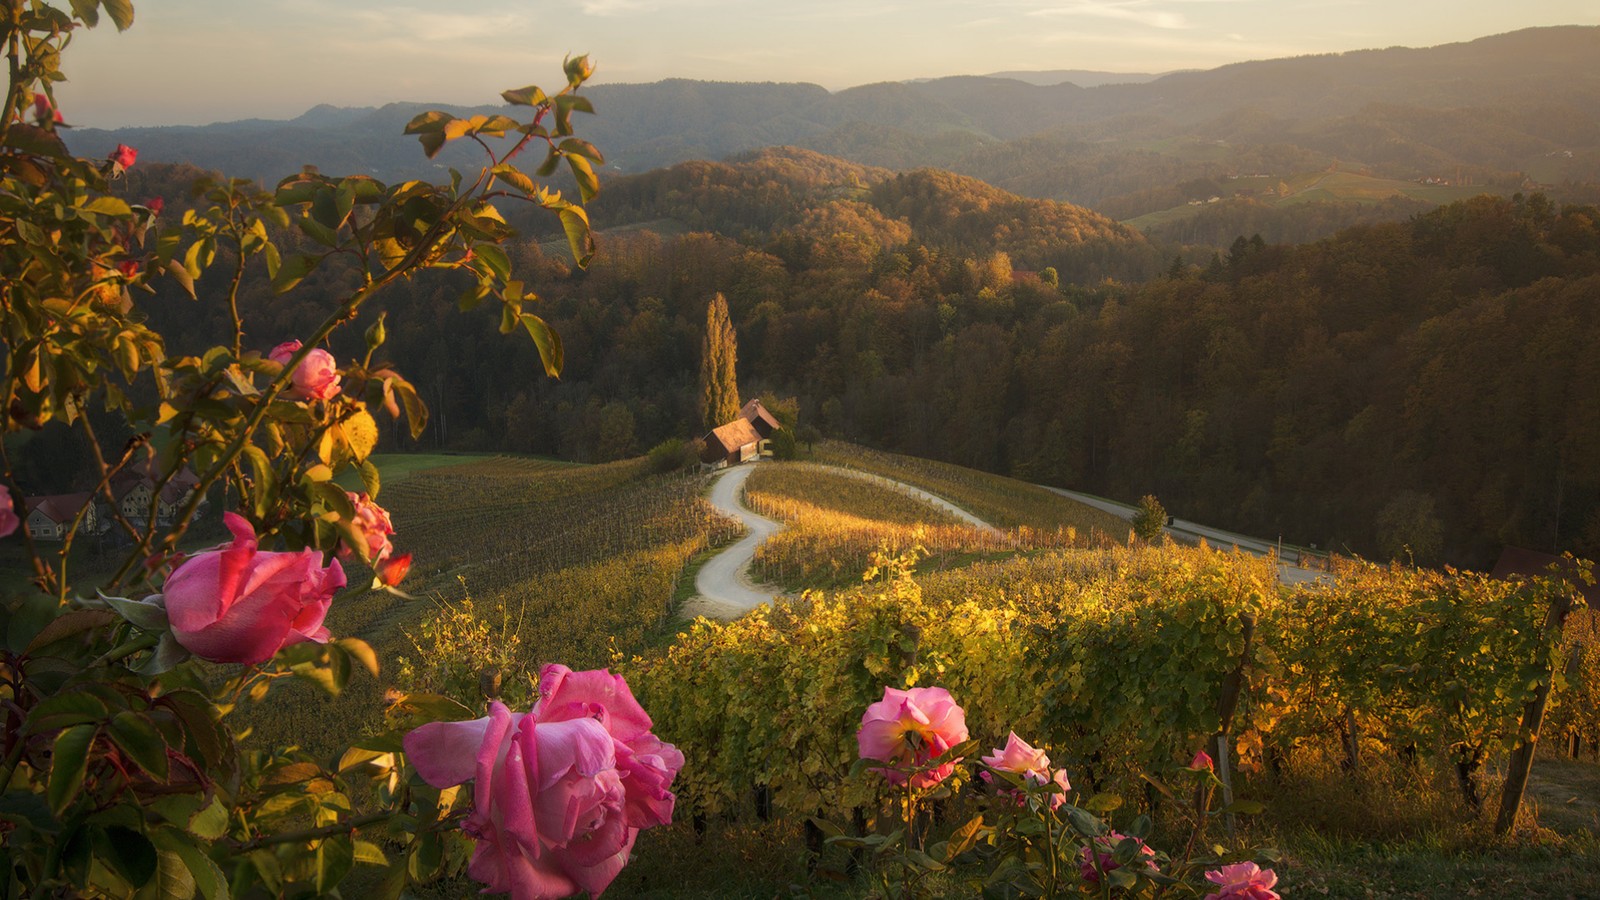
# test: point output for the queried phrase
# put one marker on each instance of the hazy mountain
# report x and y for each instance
(1497, 111)
(1079, 77)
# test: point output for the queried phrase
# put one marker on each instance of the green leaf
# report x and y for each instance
(528, 96)
(581, 147)
(88, 11)
(108, 206)
(430, 708)
(210, 823)
(369, 853)
(64, 626)
(208, 877)
(361, 652)
(264, 481)
(370, 477)
(135, 735)
(588, 184)
(514, 176)
(120, 11)
(69, 761)
(63, 711)
(178, 273)
(576, 224)
(127, 853)
(333, 857)
(964, 838)
(142, 614)
(293, 270)
(548, 342)
(495, 258)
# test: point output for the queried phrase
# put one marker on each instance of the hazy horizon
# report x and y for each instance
(366, 53)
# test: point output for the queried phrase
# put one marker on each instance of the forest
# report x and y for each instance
(1416, 389)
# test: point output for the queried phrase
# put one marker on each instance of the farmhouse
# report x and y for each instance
(50, 517)
(136, 490)
(731, 444)
(742, 439)
(757, 415)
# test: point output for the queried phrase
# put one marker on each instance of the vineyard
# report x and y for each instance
(1396, 684)
(574, 561)
(1005, 502)
(1378, 706)
(837, 521)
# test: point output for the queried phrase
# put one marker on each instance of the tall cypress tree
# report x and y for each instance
(719, 391)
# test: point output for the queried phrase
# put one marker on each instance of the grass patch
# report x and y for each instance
(1005, 502)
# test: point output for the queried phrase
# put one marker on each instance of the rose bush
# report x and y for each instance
(240, 604)
(560, 792)
(910, 728)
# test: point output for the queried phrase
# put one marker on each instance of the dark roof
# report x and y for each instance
(129, 478)
(724, 439)
(754, 413)
(1519, 561)
(59, 507)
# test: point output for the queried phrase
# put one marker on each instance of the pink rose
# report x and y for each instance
(8, 512)
(909, 728)
(124, 156)
(561, 792)
(1243, 881)
(1020, 758)
(372, 521)
(238, 604)
(1105, 850)
(317, 376)
(1202, 760)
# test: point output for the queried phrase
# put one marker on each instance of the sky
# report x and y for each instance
(191, 62)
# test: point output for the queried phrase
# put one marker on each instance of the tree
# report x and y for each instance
(1150, 518)
(719, 389)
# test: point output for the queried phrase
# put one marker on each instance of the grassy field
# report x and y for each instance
(1315, 187)
(838, 521)
(1001, 501)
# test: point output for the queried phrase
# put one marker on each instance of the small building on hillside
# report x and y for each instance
(764, 421)
(50, 517)
(731, 444)
(136, 489)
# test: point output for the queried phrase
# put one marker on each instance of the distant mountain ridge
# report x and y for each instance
(1407, 113)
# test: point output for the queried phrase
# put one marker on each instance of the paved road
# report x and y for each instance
(930, 499)
(723, 584)
(1192, 532)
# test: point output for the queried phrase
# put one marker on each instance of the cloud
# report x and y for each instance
(1139, 12)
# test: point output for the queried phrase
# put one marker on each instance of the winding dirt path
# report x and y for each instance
(723, 586)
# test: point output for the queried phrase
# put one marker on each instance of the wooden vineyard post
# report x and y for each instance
(1227, 704)
(1521, 763)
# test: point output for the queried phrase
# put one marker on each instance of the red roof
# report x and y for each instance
(60, 508)
(756, 414)
(725, 439)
